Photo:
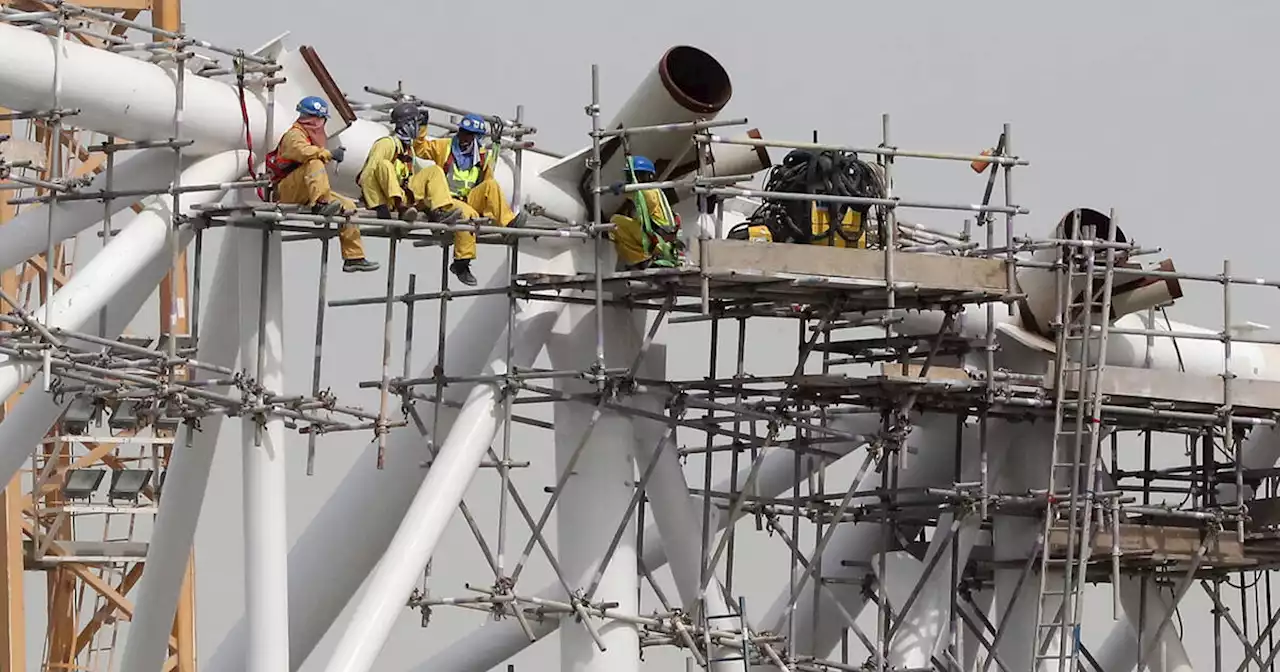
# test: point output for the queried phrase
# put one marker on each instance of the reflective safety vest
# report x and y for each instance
(461, 182)
(661, 241)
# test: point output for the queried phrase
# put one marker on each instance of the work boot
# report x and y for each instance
(462, 269)
(521, 218)
(409, 214)
(443, 215)
(360, 265)
(383, 212)
(326, 208)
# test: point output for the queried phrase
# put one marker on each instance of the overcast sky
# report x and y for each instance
(1165, 111)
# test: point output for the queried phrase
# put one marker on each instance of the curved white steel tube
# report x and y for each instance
(144, 239)
(497, 641)
(674, 510)
(446, 482)
(266, 534)
(124, 96)
(595, 497)
(26, 235)
(932, 464)
(36, 410)
(346, 538)
(186, 483)
(1120, 651)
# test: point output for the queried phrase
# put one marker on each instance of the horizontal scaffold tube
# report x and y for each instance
(145, 238)
(429, 513)
(350, 533)
(497, 641)
(27, 234)
(36, 410)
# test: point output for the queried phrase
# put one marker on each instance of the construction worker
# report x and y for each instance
(648, 234)
(297, 170)
(388, 166)
(468, 172)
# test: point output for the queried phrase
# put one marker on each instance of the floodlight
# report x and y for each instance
(129, 483)
(76, 419)
(125, 416)
(82, 483)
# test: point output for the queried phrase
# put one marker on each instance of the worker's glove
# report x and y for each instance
(339, 153)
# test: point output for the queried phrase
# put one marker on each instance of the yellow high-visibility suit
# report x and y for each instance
(628, 233)
(474, 192)
(308, 184)
(850, 224)
(384, 172)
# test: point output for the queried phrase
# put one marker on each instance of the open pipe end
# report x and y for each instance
(695, 79)
(1089, 217)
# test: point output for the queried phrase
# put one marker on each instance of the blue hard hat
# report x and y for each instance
(641, 164)
(472, 123)
(314, 106)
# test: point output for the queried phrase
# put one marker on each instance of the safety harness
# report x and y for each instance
(662, 245)
(828, 173)
(403, 163)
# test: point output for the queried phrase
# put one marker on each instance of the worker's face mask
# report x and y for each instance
(407, 130)
(466, 139)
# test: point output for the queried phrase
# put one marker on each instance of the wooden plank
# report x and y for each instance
(928, 271)
(107, 610)
(1159, 542)
(1169, 385)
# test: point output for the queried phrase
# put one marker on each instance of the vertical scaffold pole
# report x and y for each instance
(388, 315)
(513, 255)
(55, 176)
(597, 222)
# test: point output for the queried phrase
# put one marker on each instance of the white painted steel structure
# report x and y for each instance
(619, 411)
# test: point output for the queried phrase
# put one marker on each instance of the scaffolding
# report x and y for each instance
(864, 351)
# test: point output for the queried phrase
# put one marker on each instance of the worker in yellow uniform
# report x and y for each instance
(297, 171)
(646, 234)
(468, 173)
(388, 165)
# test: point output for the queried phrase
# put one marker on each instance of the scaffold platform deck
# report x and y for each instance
(800, 274)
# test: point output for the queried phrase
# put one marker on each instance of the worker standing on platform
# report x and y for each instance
(297, 170)
(468, 171)
(647, 233)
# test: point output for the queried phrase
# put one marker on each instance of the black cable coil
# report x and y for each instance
(829, 173)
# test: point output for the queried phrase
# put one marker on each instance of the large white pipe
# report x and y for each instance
(265, 531)
(446, 482)
(1120, 651)
(596, 496)
(348, 535)
(674, 510)
(925, 627)
(930, 463)
(1013, 540)
(187, 480)
(131, 98)
(36, 410)
(497, 641)
(27, 234)
(144, 239)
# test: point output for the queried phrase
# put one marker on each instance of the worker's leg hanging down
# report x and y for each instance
(309, 185)
(484, 200)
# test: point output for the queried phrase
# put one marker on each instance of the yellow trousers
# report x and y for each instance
(429, 186)
(628, 240)
(380, 185)
(308, 185)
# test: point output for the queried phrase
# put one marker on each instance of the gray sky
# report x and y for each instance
(1159, 110)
